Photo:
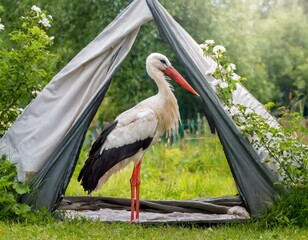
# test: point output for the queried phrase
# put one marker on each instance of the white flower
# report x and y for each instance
(45, 21)
(223, 84)
(226, 108)
(231, 67)
(218, 50)
(235, 77)
(242, 119)
(1, 27)
(209, 42)
(215, 82)
(35, 93)
(204, 46)
(36, 9)
(248, 111)
(234, 111)
(52, 38)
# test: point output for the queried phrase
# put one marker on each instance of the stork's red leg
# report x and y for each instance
(134, 188)
(138, 190)
(132, 196)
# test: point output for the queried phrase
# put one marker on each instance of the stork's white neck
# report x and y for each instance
(164, 88)
(166, 103)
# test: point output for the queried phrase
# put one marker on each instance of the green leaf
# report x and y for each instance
(20, 188)
(21, 209)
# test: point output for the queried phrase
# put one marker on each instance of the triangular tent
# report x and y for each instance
(46, 139)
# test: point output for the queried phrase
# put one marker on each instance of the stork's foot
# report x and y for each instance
(134, 221)
(134, 218)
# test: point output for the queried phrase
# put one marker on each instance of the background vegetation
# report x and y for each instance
(266, 39)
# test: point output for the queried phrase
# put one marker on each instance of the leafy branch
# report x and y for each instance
(26, 64)
(280, 148)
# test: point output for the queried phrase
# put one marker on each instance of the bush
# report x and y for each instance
(291, 209)
(10, 191)
(26, 64)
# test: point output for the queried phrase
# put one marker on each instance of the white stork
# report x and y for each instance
(134, 131)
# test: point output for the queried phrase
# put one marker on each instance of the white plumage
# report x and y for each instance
(134, 124)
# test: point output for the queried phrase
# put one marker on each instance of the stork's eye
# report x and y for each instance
(162, 61)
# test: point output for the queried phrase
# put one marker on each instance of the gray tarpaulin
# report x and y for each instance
(45, 140)
(210, 210)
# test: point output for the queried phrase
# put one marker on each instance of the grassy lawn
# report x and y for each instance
(187, 169)
(98, 230)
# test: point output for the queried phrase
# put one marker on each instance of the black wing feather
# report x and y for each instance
(102, 138)
(98, 164)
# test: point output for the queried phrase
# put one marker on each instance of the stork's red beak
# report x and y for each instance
(176, 76)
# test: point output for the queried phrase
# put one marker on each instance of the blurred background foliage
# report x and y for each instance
(266, 39)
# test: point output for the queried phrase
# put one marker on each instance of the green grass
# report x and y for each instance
(81, 229)
(185, 170)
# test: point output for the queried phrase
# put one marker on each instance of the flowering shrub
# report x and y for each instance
(278, 148)
(26, 64)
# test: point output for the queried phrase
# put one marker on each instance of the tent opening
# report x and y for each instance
(189, 165)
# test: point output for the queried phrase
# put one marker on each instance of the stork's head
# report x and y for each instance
(157, 63)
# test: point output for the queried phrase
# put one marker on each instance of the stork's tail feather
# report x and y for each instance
(86, 181)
